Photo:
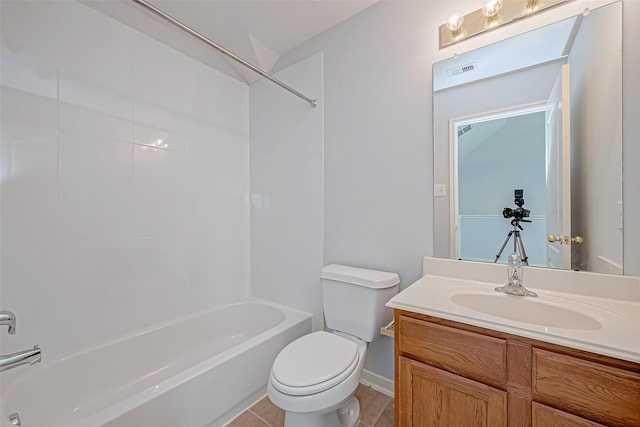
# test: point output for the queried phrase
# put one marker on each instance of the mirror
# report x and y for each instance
(528, 147)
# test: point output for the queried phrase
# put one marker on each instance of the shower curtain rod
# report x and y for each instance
(224, 51)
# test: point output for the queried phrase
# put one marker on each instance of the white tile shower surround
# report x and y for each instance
(124, 169)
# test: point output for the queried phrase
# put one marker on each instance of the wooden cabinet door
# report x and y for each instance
(431, 397)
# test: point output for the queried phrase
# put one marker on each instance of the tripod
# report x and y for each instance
(517, 241)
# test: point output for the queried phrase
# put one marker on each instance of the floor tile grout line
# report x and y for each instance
(376, 419)
(260, 418)
(384, 408)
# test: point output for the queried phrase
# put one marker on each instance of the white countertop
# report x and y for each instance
(612, 327)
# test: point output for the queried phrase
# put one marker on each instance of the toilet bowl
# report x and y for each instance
(314, 378)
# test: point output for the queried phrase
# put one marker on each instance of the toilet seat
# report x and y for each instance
(314, 363)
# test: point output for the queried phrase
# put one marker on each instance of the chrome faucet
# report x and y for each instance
(515, 280)
(9, 319)
(12, 360)
(20, 358)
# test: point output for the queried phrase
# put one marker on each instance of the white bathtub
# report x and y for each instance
(198, 371)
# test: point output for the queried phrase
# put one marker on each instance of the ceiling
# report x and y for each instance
(259, 31)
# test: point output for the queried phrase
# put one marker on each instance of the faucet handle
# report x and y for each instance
(9, 319)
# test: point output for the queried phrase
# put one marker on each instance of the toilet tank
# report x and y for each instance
(354, 299)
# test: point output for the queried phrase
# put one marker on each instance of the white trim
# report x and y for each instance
(453, 188)
(377, 382)
(566, 163)
(500, 113)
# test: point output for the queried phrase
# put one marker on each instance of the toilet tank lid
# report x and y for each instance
(360, 276)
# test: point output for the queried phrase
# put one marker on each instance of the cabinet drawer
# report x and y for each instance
(544, 416)
(472, 355)
(599, 392)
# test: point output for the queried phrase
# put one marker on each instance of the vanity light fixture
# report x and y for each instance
(492, 14)
(491, 11)
(491, 8)
(454, 23)
(533, 6)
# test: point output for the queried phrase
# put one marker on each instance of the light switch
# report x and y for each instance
(620, 220)
(440, 190)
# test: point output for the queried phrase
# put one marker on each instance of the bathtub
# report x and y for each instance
(201, 370)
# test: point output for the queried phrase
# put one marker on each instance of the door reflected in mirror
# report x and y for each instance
(542, 115)
(494, 157)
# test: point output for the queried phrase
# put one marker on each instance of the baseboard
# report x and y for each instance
(377, 382)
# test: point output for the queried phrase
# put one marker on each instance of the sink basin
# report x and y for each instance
(527, 310)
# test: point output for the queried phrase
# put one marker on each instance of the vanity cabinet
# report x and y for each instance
(454, 374)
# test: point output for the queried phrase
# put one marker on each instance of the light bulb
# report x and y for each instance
(491, 8)
(455, 20)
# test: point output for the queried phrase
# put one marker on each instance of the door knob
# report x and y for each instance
(565, 240)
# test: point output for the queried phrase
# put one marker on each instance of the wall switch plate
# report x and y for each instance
(440, 190)
(620, 216)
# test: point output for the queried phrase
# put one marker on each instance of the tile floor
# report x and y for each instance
(376, 410)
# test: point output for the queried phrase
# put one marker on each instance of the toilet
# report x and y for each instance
(314, 378)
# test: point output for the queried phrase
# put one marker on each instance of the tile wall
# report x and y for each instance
(124, 179)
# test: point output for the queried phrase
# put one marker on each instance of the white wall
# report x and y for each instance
(106, 230)
(513, 156)
(378, 133)
(377, 145)
(287, 189)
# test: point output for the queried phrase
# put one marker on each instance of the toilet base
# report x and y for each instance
(348, 415)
